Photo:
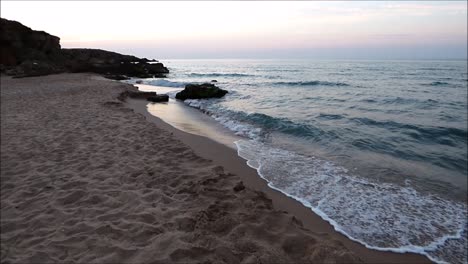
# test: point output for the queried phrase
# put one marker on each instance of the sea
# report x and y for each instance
(376, 148)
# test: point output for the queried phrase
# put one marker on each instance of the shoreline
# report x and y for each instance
(85, 178)
(229, 159)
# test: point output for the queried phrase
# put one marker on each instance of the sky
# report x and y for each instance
(254, 29)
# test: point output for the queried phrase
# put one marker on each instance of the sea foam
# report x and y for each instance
(379, 215)
(402, 124)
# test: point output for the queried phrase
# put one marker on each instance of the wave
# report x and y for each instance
(330, 116)
(447, 139)
(280, 70)
(368, 100)
(312, 83)
(407, 101)
(429, 135)
(438, 83)
(255, 125)
(380, 216)
(216, 74)
(165, 83)
(424, 133)
(259, 126)
(437, 69)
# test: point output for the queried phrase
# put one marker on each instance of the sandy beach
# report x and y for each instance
(87, 178)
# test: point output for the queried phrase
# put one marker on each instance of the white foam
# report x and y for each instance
(380, 216)
(239, 128)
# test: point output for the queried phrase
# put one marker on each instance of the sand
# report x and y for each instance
(85, 178)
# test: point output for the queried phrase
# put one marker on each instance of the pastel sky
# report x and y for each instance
(260, 29)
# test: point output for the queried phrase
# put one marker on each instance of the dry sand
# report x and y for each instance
(85, 179)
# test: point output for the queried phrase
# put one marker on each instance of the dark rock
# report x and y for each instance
(139, 82)
(107, 62)
(158, 98)
(201, 91)
(26, 52)
(239, 187)
(214, 81)
(19, 43)
(33, 68)
(135, 95)
(141, 95)
(156, 68)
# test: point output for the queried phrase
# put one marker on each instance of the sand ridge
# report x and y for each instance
(86, 180)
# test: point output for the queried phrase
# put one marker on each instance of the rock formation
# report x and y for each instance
(20, 43)
(107, 62)
(26, 52)
(201, 91)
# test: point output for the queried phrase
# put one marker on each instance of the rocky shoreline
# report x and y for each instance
(26, 52)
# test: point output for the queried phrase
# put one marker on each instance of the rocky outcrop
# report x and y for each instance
(26, 52)
(107, 62)
(20, 44)
(201, 91)
(31, 68)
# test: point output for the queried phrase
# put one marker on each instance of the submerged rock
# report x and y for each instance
(158, 98)
(201, 91)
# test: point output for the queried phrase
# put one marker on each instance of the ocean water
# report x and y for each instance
(376, 148)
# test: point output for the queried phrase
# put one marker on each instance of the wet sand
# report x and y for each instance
(85, 179)
(225, 154)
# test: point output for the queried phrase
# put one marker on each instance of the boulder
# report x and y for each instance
(158, 98)
(201, 91)
(214, 81)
